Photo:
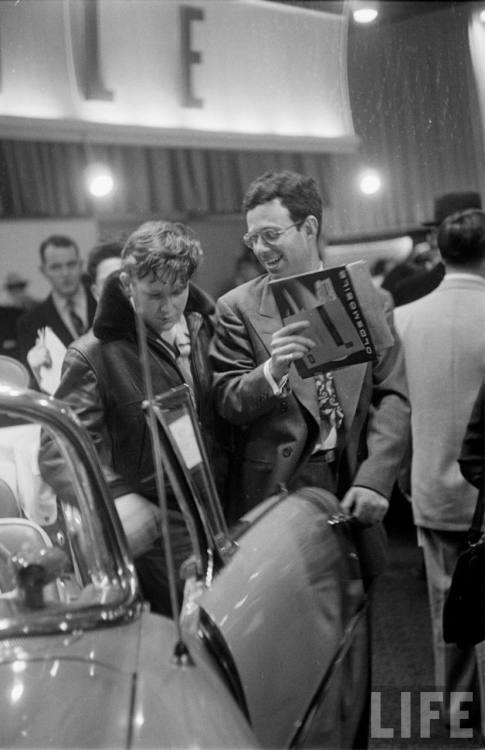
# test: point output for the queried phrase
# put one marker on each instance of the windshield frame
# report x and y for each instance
(58, 419)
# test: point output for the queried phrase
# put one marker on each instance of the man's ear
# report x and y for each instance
(311, 226)
(41, 269)
(126, 283)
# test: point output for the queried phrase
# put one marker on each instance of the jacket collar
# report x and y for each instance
(457, 276)
(267, 307)
(115, 317)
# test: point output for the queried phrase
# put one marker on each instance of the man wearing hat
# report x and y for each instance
(443, 338)
(429, 268)
(450, 203)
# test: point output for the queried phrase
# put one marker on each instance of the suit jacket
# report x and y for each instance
(443, 336)
(418, 284)
(8, 330)
(42, 315)
(277, 434)
(397, 274)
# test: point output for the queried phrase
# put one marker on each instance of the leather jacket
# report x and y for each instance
(102, 381)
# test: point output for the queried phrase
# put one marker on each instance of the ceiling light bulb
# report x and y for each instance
(365, 15)
(370, 182)
(99, 180)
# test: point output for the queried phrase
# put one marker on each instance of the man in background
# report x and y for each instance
(68, 310)
(443, 337)
(103, 260)
(424, 270)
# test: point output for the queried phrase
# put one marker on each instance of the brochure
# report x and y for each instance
(345, 311)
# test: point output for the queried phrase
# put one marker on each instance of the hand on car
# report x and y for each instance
(365, 504)
(288, 344)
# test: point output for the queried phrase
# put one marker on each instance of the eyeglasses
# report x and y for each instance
(269, 235)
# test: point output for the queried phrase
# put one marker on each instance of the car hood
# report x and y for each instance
(72, 691)
(115, 687)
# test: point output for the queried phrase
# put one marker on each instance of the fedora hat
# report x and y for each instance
(450, 203)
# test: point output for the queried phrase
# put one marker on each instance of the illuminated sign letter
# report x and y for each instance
(189, 56)
(85, 49)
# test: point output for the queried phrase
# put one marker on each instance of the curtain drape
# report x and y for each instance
(45, 179)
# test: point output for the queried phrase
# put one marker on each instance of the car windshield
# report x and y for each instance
(61, 563)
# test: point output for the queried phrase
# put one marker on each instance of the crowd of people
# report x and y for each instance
(266, 427)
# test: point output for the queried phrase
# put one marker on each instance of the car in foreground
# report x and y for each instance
(270, 647)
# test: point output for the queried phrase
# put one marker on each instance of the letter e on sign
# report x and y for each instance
(189, 56)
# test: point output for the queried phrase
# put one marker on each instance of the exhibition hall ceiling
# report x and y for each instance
(390, 10)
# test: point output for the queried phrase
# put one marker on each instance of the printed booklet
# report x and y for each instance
(345, 311)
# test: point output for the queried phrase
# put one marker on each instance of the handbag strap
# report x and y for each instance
(475, 530)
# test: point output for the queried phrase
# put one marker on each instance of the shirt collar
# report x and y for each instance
(464, 275)
(62, 302)
(179, 333)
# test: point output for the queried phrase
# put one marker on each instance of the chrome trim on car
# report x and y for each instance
(30, 406)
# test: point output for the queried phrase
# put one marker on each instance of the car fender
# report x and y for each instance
(285, 605)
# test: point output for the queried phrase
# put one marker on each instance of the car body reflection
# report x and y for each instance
(270, 647)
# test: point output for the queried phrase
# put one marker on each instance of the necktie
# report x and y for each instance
(75, 319)
(328, 403)
(181, 345)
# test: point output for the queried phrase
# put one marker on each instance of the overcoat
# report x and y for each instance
(443, 336)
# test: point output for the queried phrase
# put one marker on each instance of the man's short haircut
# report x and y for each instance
(99, 253)
(166, 251)
(58, 240)
(299, 194)
(461, 237)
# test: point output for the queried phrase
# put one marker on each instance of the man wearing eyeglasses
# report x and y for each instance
(343, 431)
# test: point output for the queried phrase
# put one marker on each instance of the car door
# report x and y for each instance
(278, 601)
(295, 622)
